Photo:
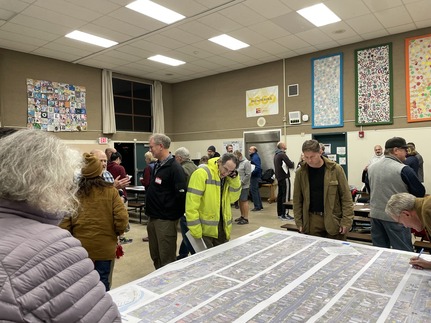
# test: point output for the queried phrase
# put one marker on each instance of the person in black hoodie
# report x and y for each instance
(282, 163)
(165, 202)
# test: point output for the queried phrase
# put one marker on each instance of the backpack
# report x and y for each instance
(268, 176)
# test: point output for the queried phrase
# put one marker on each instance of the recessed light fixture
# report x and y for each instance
(156, 11)
(91, 39)
(319, 15)
(228, 42)
(166, 60)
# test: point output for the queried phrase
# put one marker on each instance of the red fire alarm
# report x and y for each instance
(361, 134)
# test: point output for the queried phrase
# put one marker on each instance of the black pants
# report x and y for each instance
(283, 196)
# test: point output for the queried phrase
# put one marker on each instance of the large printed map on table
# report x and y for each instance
(274, 276)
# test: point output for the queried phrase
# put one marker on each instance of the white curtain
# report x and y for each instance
(158, 115)
(108, 112)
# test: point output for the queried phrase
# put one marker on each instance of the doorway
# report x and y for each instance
(335, 147)
(133, 158)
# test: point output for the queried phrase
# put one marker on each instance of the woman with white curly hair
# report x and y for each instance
(45, 273)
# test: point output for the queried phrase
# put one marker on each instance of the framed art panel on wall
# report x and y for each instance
(418, 78)
(373, 71)
(327, 98)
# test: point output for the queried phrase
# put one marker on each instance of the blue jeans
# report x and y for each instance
(103, 267)
(185, 247)
(255, 194)
(388, 234)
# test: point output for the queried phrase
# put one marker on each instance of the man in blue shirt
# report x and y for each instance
(256, 174)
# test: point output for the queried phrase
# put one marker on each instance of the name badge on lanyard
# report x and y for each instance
(158, 180)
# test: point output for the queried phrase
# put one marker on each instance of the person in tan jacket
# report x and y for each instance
(322, 202)
(101, 218)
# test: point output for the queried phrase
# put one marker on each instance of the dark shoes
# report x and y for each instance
(243, 221)
(145, 239)
(124, 240)
(239, 219)
(256, 209)
(286, 217)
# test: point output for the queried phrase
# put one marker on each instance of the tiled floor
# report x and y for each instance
(137, 263)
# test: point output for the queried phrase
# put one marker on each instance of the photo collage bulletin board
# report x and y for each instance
(55, 106)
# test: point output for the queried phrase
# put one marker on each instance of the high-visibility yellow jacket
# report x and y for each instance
(203, 201)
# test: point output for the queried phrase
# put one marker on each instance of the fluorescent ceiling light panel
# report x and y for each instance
(229, 42)
(156, 11)
(91, 39)
(319, 15)
(166, 60)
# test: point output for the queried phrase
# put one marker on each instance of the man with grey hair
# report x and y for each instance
(182, 156)
(165, 202)
(387, 177)
(322, 202)
(412, 212)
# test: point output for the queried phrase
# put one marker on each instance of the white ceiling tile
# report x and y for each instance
(61, 47)
(338, 30)
(195, 52)
(314, 36)
(375, 34)
(125, 57)
(135, 51)
(6, 14)
(187, 8)
(15, 45)
(198, 29)
(22, 38)
(53, 17)
(275, 9)
(350, 40)
(292, 42)
(67, 9)
(137, 19)
(272, 47)
(164, 41)
(420, 10)
(242, 15)
(269, 30)
(346, 9)
(219, 22)
(149, 47)
(255, 52)
(364, 24)
(248, 36)
(104, 33)
(98, 6)
(305, 50)
(327, 45)
(182, 35)
(53, 53)
(401, 29)
(113, 24)
(296, 5)
(13, 5)
(394, 17)
(422, 23)
(31, 32)
(377, 5)
(293, 23)
(39, 24)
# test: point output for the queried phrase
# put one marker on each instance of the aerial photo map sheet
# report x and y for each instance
(280, 276)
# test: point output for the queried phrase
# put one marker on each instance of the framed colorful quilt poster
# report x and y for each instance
(327, 99)
(54, 106)
(373, 71)
(418, 78)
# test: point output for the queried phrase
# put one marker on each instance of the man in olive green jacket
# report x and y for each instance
(322, 201)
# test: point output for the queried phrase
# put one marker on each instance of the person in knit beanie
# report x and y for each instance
(92, 167)
(101, 218)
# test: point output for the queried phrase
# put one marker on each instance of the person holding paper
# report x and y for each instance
(212, 188)
(282, 163)
(412, 212)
